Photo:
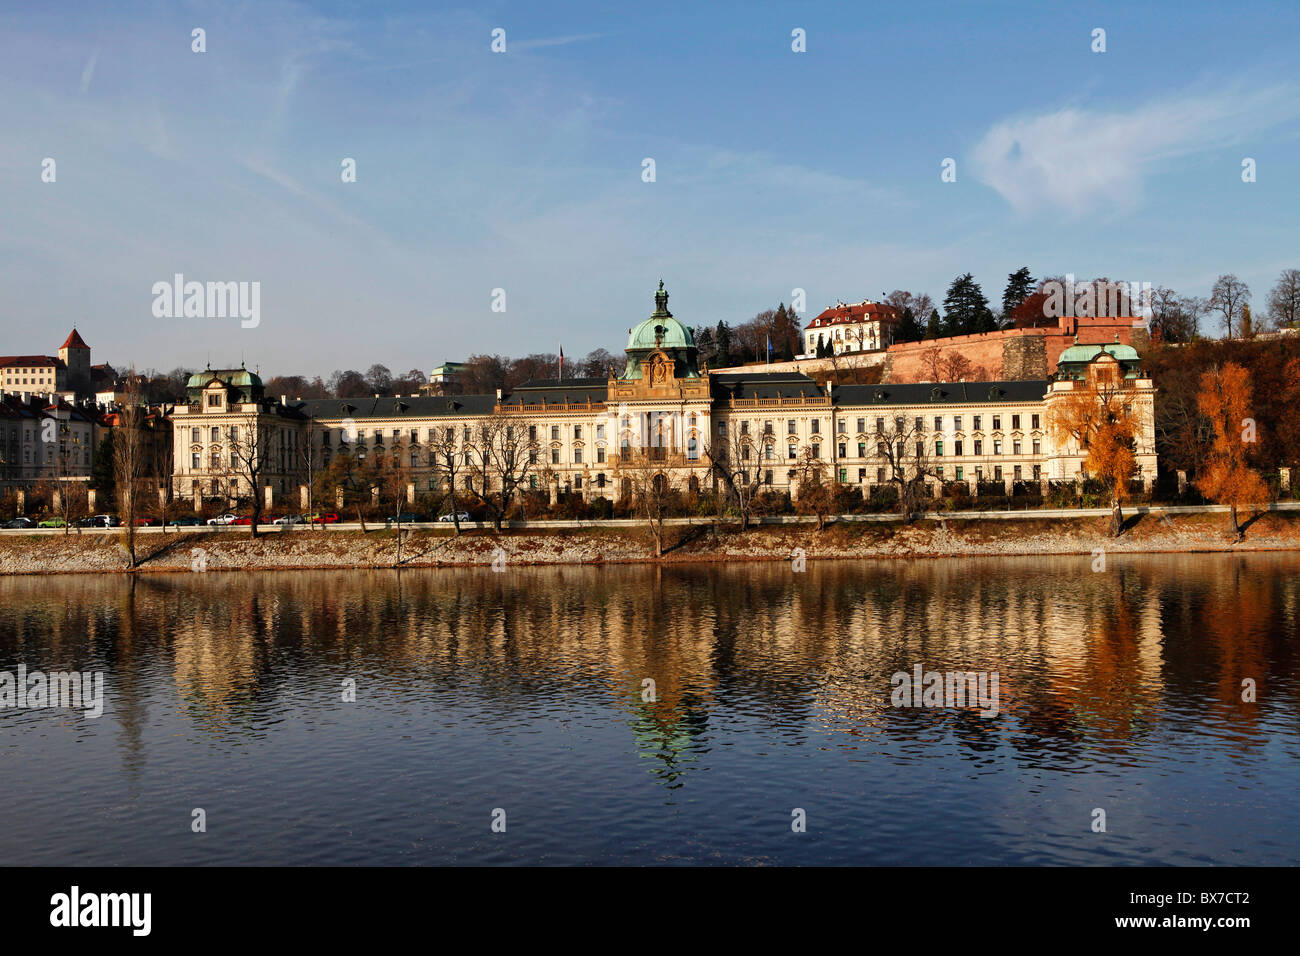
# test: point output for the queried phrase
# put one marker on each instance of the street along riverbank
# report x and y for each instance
(426, 546)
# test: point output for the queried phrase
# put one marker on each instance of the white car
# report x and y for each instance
(290, 519)
(463, 516)
(223, 519)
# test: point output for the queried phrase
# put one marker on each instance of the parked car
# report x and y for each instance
(404, 517)
(145, 522)
(51, 523)
(20, 523)
(246, 519)
(184, 520)
(463, 516)
(100, 521)
(325, 517)
(288, 519)
(224, 519)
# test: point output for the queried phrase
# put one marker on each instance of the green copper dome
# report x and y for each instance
(661, 331)
(1086, 353)
(238, 378)
(246, 385)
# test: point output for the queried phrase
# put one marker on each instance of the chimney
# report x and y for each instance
(284, 399)
(498, 394)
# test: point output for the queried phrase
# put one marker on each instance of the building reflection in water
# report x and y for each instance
(1089, 663)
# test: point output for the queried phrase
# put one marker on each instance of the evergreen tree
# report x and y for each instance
(1019, 285)
(934, 328)
(722, 340)
(908, 330)
(102, 478)
(965, 308)
(704, 344)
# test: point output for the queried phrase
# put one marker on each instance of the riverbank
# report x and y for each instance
(56, 553)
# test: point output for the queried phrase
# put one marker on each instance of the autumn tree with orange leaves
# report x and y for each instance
(1102, 419)
(1226, 400)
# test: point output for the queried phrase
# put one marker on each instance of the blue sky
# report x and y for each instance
(775, 170)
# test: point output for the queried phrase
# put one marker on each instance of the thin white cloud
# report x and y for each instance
(553, 41)
(88, 73)
(1084, 161)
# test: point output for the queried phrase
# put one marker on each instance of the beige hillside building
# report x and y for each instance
(664, 414)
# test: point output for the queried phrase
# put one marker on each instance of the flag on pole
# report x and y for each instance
(769, 349)
(561, 361)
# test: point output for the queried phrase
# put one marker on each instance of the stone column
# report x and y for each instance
(304, 500)
(1182, 482)
(22, 500)
(1044, 487)
(410, 492)
(1284, 478)
(1147, 485)
(1007, 482)
(338, 498)
(268, 497)
(91, 496)
(57, 499)
(197, 491)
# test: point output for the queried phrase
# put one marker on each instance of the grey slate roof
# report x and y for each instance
(924, 393)
(386, 406)
(763, 385)
(733, 385)
(577, 390)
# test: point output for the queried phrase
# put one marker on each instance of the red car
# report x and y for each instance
(243, 520)
(328, 517)
(145, 522)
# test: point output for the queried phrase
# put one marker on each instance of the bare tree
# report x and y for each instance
(448, 461)
(513, 454)
(129, 460)
(1227, 297)
(68, 493)
(1284, 300)
(250, 453)
(932, 362)
(903, 449)
(1174, 319)
(308, 461)
(734, 462)
(815, 493)
(652, 490)
(956, 367)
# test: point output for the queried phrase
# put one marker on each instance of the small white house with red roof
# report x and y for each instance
(864, 326)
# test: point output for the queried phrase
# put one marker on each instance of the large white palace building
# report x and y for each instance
(664, 411)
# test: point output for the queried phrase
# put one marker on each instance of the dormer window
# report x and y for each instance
(214, 400)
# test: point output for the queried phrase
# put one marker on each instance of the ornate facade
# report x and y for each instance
(664, 413)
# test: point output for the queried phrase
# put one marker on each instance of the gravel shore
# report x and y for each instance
(57, 553)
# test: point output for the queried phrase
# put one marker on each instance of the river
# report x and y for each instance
(525, 697)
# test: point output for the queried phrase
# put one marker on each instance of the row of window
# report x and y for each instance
(577, 430)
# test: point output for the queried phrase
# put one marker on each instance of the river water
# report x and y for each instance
(522, 696)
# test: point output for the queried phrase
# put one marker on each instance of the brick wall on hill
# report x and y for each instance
(1012, 354)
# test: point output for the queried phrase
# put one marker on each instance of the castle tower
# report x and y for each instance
(75, 354)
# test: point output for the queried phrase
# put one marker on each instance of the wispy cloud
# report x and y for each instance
(1084, 161)
(553, 41)
(88, 73)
